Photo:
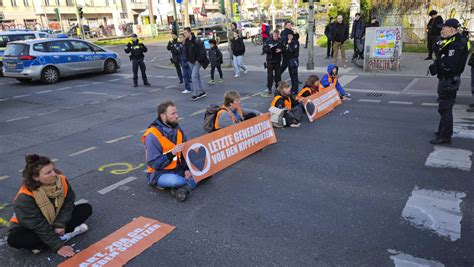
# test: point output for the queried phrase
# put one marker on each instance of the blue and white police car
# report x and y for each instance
(48, 60)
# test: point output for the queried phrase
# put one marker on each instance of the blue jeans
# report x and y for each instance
(239, 64)
(196, 76)
(173, 180)
(186, 74)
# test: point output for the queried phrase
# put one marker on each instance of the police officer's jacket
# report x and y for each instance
(136, 50)
(451, 56)
(270, 48)
(176, 49)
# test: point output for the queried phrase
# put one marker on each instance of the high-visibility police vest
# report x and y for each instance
(166, 145)
(287, 101)
(331, 80)
(26, 191)
(225, 109)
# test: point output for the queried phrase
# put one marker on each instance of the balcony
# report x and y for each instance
(137, 5)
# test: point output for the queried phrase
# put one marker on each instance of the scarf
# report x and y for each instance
(43, 196)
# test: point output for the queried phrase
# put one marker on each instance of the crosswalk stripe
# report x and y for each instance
(116, 185)
(446, 157)
(404, 260)
(463, 126)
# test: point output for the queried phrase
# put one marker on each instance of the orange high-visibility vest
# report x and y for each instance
(301, 93)
(287, 101)
(223, 109)
(26, 191)
(167, 146)
(331, 80)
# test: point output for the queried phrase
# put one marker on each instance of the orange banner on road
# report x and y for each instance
(122, 245)
(210, 153)
(321, 103)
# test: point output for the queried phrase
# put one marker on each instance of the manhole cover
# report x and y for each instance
(374, 94)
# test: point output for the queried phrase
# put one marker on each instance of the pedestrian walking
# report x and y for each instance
(196, 56)
(340, 34)
(176, 49)
(238, 51)
(137, 51)
(451, 55)
(185, 67)
(290, 54)
(358, 34)
(433, 31)
(328, 32)
(215, 58)
(273, 48)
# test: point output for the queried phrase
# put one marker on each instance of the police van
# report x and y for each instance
(10, 36)
(48, 60)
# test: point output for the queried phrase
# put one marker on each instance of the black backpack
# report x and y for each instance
(210, 117)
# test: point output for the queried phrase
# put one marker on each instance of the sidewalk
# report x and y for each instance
(412, 64)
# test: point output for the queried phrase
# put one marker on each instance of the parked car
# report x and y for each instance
(249, 29)
(216, 32)
(72, 32)
(50, 59)
(10, 36)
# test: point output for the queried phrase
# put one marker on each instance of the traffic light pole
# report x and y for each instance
(79, 24)
(310, 64)
(175, 22)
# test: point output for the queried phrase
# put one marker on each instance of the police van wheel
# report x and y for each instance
(110, 66)
(50, 75)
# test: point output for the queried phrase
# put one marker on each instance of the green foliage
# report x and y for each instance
(123, 41)
(323, 42)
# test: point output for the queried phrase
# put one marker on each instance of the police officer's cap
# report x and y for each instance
(134, 35)
(432, 13)
(453, 23)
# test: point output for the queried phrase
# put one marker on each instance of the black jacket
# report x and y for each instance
(434, 26)
(136, 50)
(284, 35)
(238, 47)
(176, 49)
(358, 29)
(270, 48)
(328, 31)
(30, 217)
(215, 56)
(451, 56)
(340, 32)
(291, 50)
(375, 24)
(471, 61)
(194, 50)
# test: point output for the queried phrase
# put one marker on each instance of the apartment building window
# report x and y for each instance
(26, 3)
(69, 3)
(14, 3)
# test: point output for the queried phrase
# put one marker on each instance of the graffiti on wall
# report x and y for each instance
(383, 64)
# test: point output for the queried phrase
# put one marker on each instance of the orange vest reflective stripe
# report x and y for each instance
(166, 145)
(301, 93)
(287, 102)
(26, 191)
(223, 108)
(331, 80)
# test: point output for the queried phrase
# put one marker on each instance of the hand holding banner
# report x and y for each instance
(210, 153)
(321, 103)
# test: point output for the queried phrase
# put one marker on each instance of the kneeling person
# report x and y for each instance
(231, 112)
(284, 99)
(164, 145)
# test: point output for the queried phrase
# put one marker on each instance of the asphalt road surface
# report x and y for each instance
(361, 186)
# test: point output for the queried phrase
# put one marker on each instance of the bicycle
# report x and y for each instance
(257, 39)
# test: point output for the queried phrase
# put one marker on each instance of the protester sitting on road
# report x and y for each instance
(215, 58)
(164, 143)
(311, 86)
(231, 112)
(284, 99)
(330, 78)
(44, 209)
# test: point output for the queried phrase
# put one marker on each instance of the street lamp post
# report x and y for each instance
(79, 23)
(175, 22)
(273, 11)
(310, 64)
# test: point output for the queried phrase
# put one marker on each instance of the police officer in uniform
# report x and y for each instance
(274, 50)
(451, 56)
(136, 49)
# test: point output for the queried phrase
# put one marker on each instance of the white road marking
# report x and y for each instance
(94, 93)
(171, 77)
(76, 106)
(171, 86)
(119, 97)
(155, 90)
(43, 92)
(372, 91)
(3, 99)
(54, 160)
(429, 104)
(256, 94)
(438, 211)
(463, 126)
(124, 65)
(20, 96)
(11, 82)
(198, 112)
(82, 85)
(410, 86)
(446, 157)
(118, 139)
(63, 88)
(17, 119)
(245, 98)
(206, 76)
(369, 100)
(116, 185)
(4, 177)
(144, 130)
(46, 113)
(159, 76)
(400, 102)
(97, 82)
(82, 151)
(404, 260)
(137, 94)
(81, 201)
(95, 102)
(114, 80)
(346, 79)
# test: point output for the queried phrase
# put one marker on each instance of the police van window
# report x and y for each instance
(58, 47)
(16, 50)
(4, 39)
(79, 46)
(39, 47)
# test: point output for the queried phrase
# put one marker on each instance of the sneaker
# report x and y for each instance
(212, 82)
(236, 75)
(202, 95)
(246, 71)
(428, 58)
(295, 125)
(181, 193)
(194, 98)
(221, 80)
(185, 91)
